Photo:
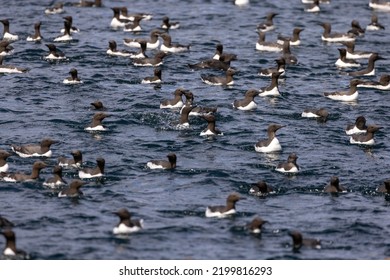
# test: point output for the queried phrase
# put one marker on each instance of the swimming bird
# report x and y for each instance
(211, 64)
(313, 7)
(378, 5)
(10, 250)
(353, 54)
(350, 95)
(280, 68)
(89, 4)
(96, 124)
(184, 114)
(3, 161)
(5, 223)
(334, 186)
(290, 166)
(366, 138)
(155, 61)
(151, 43)
(134, 25)
(197, 110)
(6, 48)
(369, 70)
(155, 79)
(221, 56)
(272, 89)
(34, 150)
(271, 144)
(54, 54)
(356, 29)
(382, 84)
(385, 187)
(75, 162)
(328, 36)
(73, 79)
(126, 223)
(268, 24)
(112, 50)
(321, 114)
(73, 190)
(374, 24)
(37, 37)
(163, 164)
(66, 36)
(7, 35)
(294, 39)
(98, 105)
(261, 189)
(57, 8)
(226, 80)
(358, 127)
(56, 180)
(116, 21)
(73, 29)
(176, 102)
(23, 177)
(167, 24)
(248, 103)
(299, 241)
(241, 3)
(168, 46)
(10, 69)
(125, 15)
(262, 45)
(98, 171)
(210, 129)
(222, 211)
(343, 61)
(287, 55)
(255, 226)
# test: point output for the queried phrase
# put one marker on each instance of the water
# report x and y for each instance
(172, 203)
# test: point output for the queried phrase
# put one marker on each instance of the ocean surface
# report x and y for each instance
(36, 104)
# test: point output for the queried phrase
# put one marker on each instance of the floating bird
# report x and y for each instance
(262, 45)
(366, 138)
(222, 211)
(374, 24)
(210, 129)
(184, 114)
(353, 54)
(226, 80)
(34, 150)
(356, 29)
(89, 4)
(155, 61)
(268, 24)
(163, 164)
(3, 161)
(75, 162)
(343, 61)
(261, 189)
(112, 50)
(98, 105)
(10, 250)
(6, 33)
(220, 55)
(211, 64)
(255, 226)
(271, 144)
(248, 103)
(73, 79)
(384, 188)
(287, 55)
(176, 102)
(290, 166)
(10, 69)
(328, 36)
(313, 7)
(73, 190)
(272, 89)
(116, 20)
(151, 43)
(334, 186)
(321, 114)
(379, 5)
(167, 24)
(96, 124)
(57, 8)
(126, 224)
(358, 127)
(294, 39)
(281, 68)
(133, 26)
(65, 37)
(37, 37)
(369, 70)
(299, 241)
(155, 79)
(23, 177)
(73, 29)
(350, 95)
(6, 48)
(54, 54)
(56, 180)
(98, 171)
(168, 46)
(124, 15)
(382, 84)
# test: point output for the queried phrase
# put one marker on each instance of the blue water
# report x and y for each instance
(36, 104)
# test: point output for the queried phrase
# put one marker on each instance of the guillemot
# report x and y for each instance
(73, 79)
(226, 80)
(255, 226)
(328, 36)
(210, 130)
(73, 190)
(126, 224)
(56, 180)
(37, 37)
(271, 144)
(167, 24)
(294, 39)
(370, 69)
(268, 24)
(222, 56)
(348, 96)
(54, 54)
(163, 164)
(358, 127)
(7, 35)
(98, 171)
(151, 43)
(343, 61)
(96, 124)
(75, 162)
(222, 211)
(273, 88)
(57, 8)
(34, 150)
(9, 69)
(155, 79)
(262, 45)
(248, 103)
(366, 138)
(321, 114)
(382, 84)
(10, 251)
(374, 24)
(24, 177)
(176, 102)
(290, 166)
(281, 67)
(168, 46)
(155, 61)
(334, 186)
(261, 189)
(3, 161)
(299, 241)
